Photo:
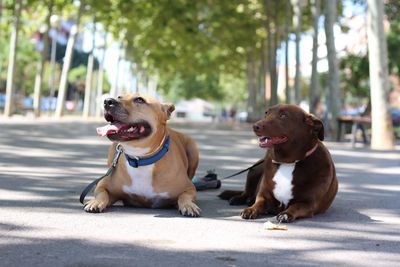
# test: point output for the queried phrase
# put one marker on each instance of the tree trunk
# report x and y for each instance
(271, 73)
(268, 70)
(287, 86)
(333, 77)
(54, 40)
(88, 87)
(100, 78)
(121, 89)
(115, 84)
(62, 91)
(382, 125)
(1, 15)
(139, 78)
(263, 73)
(297, 7)
(1, 10)
(274, 71)
(314, 88)
(89, 76)
(12, 60)
(43, 57)
(152, 85)
(252, 109)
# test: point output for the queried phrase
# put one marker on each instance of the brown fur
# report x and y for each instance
(171, 174)
(314, 179)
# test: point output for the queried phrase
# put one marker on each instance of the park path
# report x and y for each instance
(44, 165)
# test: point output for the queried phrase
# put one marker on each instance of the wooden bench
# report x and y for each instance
(357, 123)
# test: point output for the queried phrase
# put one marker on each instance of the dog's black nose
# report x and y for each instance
(256, 127)
(110, 102)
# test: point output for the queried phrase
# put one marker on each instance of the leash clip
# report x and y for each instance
(118, 149)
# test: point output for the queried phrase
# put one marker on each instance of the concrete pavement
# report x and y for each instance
(44, 165)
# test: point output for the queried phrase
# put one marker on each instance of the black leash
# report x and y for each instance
(118, 150)
(89, 187)
(242, 171)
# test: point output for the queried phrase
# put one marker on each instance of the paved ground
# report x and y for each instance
(45, 165)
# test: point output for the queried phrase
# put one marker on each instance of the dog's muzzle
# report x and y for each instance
(110, 103)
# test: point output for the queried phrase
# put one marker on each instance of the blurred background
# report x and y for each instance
(216, 60)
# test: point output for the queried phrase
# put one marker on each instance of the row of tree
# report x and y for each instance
(210, 49)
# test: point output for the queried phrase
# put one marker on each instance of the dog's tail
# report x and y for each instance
(228, 194)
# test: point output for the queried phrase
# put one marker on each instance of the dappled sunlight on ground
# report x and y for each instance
(44, 166)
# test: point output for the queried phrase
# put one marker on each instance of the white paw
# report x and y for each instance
(94, 206)
(189, 209)
(284, 217)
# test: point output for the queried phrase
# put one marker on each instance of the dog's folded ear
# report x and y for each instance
(168, 108)
(316, 124)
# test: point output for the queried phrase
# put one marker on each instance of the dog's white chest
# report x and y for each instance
(142, 179)
(283, 183)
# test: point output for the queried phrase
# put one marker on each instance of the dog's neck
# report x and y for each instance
(135, 151)
(148, 147)
(281, 156)
(149, 159)
(309, 152)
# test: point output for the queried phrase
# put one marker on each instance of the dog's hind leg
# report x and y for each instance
(228, 194)
(248, 196)
(252, 183)
(192, 153)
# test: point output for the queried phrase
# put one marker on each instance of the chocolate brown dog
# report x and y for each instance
(298, 178)
(157, 164)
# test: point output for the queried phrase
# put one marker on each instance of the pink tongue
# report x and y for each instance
(109, 129)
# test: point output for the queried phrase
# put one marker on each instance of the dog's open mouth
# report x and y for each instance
(267, 142)
(120, 131)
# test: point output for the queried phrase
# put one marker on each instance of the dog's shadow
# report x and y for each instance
(215, 208)
(340, 211)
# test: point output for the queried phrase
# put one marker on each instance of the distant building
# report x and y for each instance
(194, 109)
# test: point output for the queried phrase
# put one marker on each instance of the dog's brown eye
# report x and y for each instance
(139, 100)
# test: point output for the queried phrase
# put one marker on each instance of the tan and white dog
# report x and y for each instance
(138, 123)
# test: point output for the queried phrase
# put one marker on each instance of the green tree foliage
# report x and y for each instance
(192, 46)
(189, 44)
(355, 68)
(32, 18)
(26, 63)
(392, 9)
(355, 75)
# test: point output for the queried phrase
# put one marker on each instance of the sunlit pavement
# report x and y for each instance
(44, 165)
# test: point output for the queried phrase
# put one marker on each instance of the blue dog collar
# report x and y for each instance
(139, 161)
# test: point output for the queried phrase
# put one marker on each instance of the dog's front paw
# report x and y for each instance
(285, 217)
(249, 213)
(95, 206)
(189, 209)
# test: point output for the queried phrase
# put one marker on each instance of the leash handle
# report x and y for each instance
(89, 187)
